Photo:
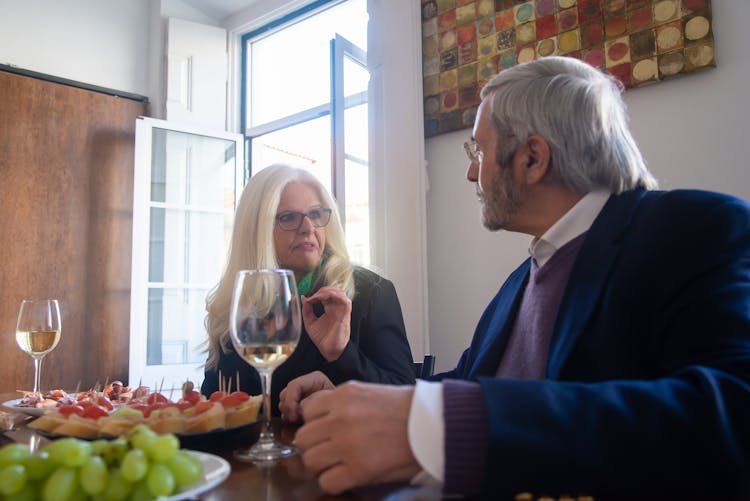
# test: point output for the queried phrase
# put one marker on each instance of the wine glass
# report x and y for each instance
(38, 331)
(265, 324)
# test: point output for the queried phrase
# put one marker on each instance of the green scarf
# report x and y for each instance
(306, 283)
(303, 286)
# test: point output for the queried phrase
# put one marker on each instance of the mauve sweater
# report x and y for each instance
(525, 357)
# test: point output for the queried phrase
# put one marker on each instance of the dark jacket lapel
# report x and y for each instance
(590, 271)
(499, 325)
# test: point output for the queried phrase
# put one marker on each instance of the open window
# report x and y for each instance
(187, 182)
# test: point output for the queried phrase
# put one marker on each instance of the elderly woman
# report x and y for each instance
(353, 328)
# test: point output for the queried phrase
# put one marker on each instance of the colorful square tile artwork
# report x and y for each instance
(639, 42)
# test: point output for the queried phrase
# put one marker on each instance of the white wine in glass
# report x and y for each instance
(38, 331)
(265, 324)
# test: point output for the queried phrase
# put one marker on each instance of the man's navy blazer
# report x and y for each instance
(647, 389)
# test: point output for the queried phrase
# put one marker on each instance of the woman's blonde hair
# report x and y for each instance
(252, 247)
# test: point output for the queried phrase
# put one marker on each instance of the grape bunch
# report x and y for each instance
(140, 466)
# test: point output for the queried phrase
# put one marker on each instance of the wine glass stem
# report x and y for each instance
(37, 374)
(266, 433)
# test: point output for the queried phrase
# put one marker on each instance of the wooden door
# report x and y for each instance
(66, 203)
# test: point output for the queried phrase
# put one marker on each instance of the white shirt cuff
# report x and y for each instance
(426, 431)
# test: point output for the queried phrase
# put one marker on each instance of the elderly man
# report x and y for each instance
(615, 361)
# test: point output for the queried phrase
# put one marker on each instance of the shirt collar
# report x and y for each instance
(576, 221)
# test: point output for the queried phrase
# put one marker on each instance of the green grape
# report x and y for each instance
(115, 451)
(160, 480)
(141, 492)
(28, 493)
(99, 446)
(60, 485)
(39, 466)
(118, 489)
(164, 447)
(134, 465)
(141, 428)
(142, 437)
(70, 452)
(78, 495)
(186, 468)
(128, 413)
(13, 454)
(94, 475)
(12, 478)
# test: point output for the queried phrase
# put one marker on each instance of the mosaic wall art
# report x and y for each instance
(465, 42)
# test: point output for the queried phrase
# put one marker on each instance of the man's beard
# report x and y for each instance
(502, 201)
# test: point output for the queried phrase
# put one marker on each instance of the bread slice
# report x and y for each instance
(114, 426)
(245, 413)
(211, 419)
(49, 422)
(167, 420)
(77, 426)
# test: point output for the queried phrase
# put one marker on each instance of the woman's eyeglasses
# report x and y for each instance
(291, 221)
(473, 151)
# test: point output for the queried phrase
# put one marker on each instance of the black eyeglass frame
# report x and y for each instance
(299, 218)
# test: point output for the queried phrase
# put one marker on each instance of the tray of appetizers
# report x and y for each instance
(193, 415)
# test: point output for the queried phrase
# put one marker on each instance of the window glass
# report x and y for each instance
(175, 326)
(306, 145)
(190, 169)
(178, 249)
(290, 68)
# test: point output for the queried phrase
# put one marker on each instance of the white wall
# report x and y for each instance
(104, 44)
(109, 43)
(693, 130)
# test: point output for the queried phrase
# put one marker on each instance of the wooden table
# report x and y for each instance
(284, 480)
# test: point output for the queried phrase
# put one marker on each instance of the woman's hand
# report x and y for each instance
(330, 332)
(297, 390)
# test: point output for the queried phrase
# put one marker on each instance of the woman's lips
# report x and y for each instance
(307, 246)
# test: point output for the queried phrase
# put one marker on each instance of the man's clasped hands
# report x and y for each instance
(334, 445)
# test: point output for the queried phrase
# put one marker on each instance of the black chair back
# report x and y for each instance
(425, 368)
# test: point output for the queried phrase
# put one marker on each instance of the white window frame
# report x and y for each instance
(171, 376)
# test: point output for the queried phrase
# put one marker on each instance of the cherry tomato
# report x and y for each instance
(192, 396)
(235, 399)
(86, 403)
(155, 407)
(95, 412)
(181, 405)
(67, 410)
(139, 406)
(105, 402)
(217, 396)
(154, 398)
(202, 407)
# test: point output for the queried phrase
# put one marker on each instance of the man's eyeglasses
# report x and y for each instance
(291, 221)
(473, 151)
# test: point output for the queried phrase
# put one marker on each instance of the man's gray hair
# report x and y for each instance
(579, 111)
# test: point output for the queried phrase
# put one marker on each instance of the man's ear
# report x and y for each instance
(535, 159)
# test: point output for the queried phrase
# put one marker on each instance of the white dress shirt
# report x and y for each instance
(426, 428)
